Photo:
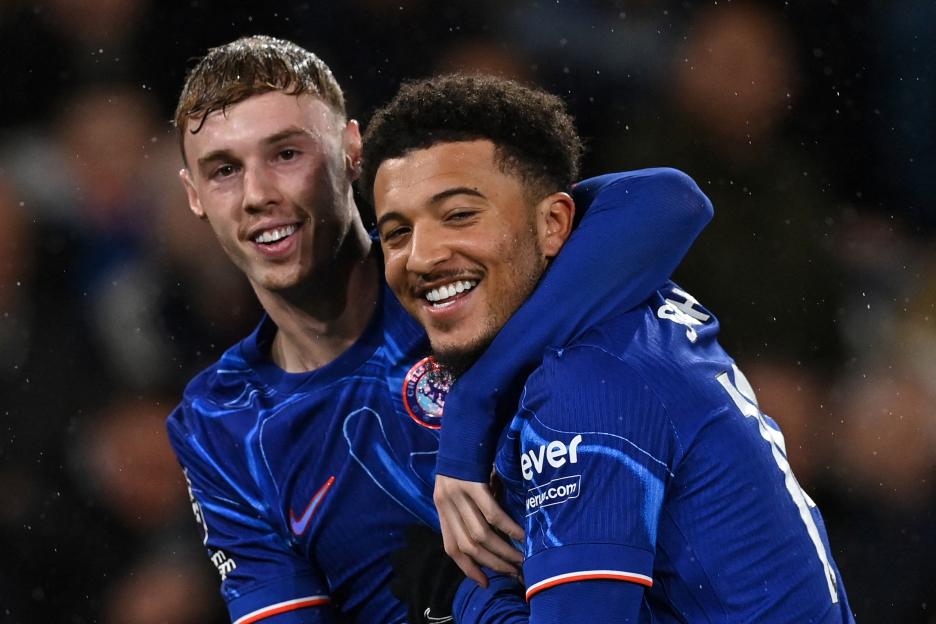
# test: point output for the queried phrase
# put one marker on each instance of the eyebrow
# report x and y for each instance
(286, 133)
(435, 199)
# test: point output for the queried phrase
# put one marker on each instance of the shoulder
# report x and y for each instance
(223, 388)
(593, 380)
(670, 329)
(594, 399)
(665, 349)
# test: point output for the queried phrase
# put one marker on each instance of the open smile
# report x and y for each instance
(276, 241)
(446, 294)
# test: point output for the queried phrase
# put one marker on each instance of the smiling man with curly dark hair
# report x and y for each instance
(649, 485)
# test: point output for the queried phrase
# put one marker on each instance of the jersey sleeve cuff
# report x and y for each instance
(582, 562)
(459, 469)
(285, 595)
(473, 603)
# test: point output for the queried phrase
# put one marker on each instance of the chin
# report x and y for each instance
(279, 280)
(457, 359)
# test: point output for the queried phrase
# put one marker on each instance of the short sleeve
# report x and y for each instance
(595, 448)
(263, 579)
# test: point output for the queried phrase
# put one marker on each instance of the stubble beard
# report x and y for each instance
(457, 359)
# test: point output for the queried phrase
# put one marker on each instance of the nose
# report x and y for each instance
(260, 190)
(427, 251)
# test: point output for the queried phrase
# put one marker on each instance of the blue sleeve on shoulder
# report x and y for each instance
(636, 229)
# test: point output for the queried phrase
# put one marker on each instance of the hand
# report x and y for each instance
(469, 516)
(424, 578)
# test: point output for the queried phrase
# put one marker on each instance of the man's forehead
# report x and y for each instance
(423, 170)
(259, 117)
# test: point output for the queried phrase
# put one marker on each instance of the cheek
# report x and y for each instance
(225, 230)
(394, 270)
(223, 225)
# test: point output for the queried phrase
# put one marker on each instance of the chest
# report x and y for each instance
(347, 467)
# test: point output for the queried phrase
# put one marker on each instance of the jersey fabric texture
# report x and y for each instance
(664, 210)
(639, 455)
(302, 483)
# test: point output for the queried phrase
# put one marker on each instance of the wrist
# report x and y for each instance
(463, 470)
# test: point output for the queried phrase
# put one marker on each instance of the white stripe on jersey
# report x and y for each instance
(587, 575)
(282, 607)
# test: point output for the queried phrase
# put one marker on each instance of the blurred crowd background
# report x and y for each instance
(810, 125)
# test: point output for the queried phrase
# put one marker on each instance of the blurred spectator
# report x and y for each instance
(66, 44)
(764, 265)
(119, 513)
(737, 76)
(123, 459)
(102, 207)
(796, 398)
(161, 590)
(482, 56)
(883, 507)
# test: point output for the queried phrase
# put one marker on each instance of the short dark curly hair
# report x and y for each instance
(533, 133)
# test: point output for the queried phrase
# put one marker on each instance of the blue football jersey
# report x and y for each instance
(304, 482)
(639, 454)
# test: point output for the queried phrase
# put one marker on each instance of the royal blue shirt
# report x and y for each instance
(302, 483)
(653, 489)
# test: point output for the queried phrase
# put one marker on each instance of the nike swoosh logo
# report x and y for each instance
(300, 524)
(437, 620)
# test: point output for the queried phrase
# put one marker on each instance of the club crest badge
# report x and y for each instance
(424, 390)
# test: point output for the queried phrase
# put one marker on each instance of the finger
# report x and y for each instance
(481, 556)
(453, 532)
(456, 535)
(471, 570)
(484, 545)
(469, 539)
(496, 516)
(502, 549)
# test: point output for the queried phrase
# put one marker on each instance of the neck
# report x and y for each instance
(317, 322)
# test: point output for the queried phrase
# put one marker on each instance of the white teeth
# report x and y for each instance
(276, 234)
(437, 296)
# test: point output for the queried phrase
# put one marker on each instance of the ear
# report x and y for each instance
(351, 140)
(556, 214)
(192, 194)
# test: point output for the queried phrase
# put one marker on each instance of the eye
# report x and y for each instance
(223, 171)
(394, 234)
(459, 216)
(288, 154)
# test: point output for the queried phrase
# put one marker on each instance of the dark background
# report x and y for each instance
(809, 124)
